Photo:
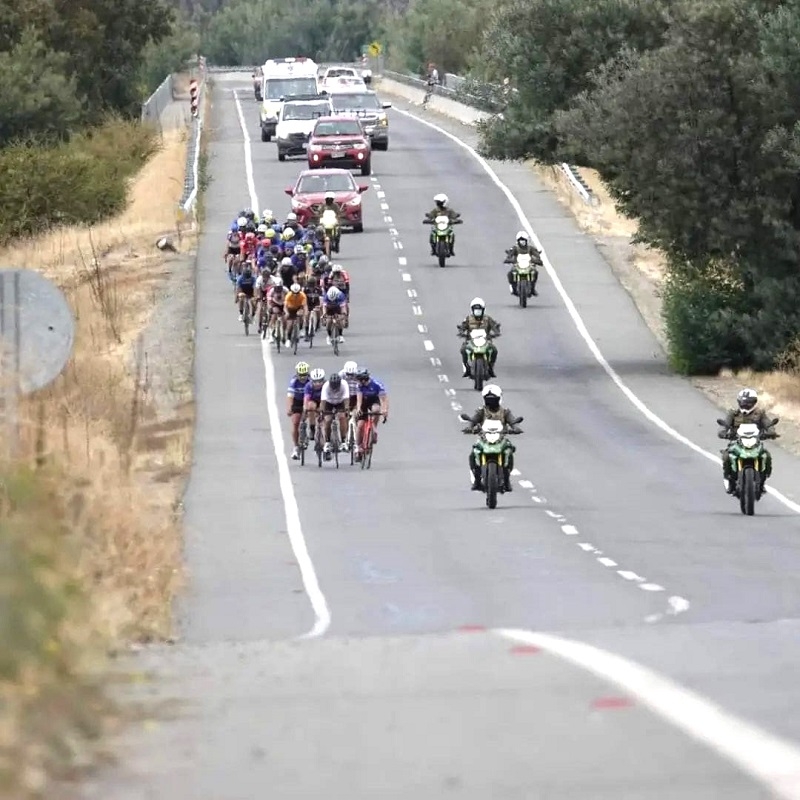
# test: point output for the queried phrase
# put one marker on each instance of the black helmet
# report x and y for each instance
(335, 380)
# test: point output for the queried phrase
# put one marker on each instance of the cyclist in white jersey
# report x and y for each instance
(335, 398)
(349, 373)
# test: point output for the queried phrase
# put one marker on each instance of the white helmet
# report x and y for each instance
(317, 374)
(241, 222)
(266, 215)
(276, 280)
(295, 288)
(336, 268)
(477, 301)
(441, 198)
(746, 400)
(522, 235)
(286, 262)
(333, 294)
(350, 368)
(492, 389)
(291, 217)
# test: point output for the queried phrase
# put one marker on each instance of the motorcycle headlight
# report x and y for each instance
(493, 437)
(750, 443)
(442, 226)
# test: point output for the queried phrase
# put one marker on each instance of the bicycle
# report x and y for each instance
(294, 333)
(428, 93)
(350, 439)
(368, 439)
(246, 316)
(263, 320)
(319, 439)
(278, 332)
(312, 323)
(302, 439)
(336, 332)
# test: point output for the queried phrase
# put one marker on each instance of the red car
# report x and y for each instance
(339, 142)
(308, 196)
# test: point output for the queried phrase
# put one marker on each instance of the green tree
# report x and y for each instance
(550, 48)
(699, 141)
(38, 99)
(159, 59)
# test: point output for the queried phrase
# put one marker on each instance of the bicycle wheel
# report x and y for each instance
(366, 444)
(278, 334)
(337, 331)
(336, 439)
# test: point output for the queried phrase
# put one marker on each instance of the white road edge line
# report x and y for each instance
(769, 759)
(319, 605)
(578, 320)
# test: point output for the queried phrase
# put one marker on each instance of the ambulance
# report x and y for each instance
(284, 79)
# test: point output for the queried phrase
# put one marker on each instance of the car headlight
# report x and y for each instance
(360, 146)
(312, 146)
(356, 201)
(383, 121)
(298, 203)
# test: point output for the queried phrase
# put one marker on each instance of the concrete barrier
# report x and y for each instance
(444, 105)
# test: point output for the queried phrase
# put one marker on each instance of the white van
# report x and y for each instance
(284, 79)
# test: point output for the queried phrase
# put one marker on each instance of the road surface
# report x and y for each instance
(403, 586)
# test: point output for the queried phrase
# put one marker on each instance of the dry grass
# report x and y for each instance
(780, 389)
(110, 469)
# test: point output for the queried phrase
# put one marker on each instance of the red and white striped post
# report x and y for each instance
(194, 93)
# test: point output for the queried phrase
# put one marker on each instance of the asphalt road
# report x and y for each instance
(616, 534)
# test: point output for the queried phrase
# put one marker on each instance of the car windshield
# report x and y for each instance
(341, 127)
(297, 111)
(289, 87)
(355, 102)
(321, 183)
(335, 73)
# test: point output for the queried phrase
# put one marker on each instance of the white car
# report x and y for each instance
(340, 76)
(295, 123)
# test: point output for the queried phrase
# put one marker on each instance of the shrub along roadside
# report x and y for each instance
(79, 182)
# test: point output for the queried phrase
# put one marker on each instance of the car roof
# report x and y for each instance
(335, 118)
(332, 171)
(322, 98)
(351, 89)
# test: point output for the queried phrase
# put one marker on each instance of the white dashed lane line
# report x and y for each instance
(675, 605)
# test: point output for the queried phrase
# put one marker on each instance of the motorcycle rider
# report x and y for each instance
(441, 202)
(478, 319)
(492, 408)
(523, 246)
(744, 413)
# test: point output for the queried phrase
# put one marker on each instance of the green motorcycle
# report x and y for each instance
(493, 453)
(524, 273)
(443, 235)
(479, 350)
(748, 460)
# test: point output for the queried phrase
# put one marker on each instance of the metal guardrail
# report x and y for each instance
(191, 179)
(154, 106)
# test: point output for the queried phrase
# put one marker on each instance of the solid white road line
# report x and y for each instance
(322, 614)
(770, 760)
(576, 317)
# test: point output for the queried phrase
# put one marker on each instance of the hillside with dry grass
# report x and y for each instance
(90, 512)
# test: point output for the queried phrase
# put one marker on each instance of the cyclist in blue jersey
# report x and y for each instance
(312, 398)
(372, 396)
(334, 309)
(295, 400)
(245, 290)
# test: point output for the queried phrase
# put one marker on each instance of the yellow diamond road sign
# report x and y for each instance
(375, 49)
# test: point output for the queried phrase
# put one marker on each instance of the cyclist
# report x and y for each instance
(287, 271)
(349, 373)
(311, 399)
(334, 305)
(275, 301)
(295, 308)
(233, 247)
(249, 247)
(264, 283)
(339, 278)
(371, 396)
(335, 399)
(245, 291)
(295, 397)
(314, 299)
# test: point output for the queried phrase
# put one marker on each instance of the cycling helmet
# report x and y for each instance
(311, 280)
(276, 281)
(333, 294)
(249, 214)
(267, 215)
(336, 268)
(234, 227)
(301, 368)
(317, 375)
(362, 374)
(249, 236)
(299, 250)
(441, 200)
(350, 369)
(295, 288)
(335, 380)
(288, 234)
(262, 228)
(247, 270)
(492, 396)
(269, 233)
(746, 400)
(320, 231)
(286, 262)
(241, 222)
(323, 261)
(522, 237)
(291, 217)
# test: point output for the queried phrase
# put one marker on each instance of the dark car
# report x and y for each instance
(339, 142)
(368, 109)
(308, 196)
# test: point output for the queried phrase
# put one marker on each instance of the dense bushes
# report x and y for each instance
(81, 181)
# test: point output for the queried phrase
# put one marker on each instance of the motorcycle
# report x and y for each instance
(524, 272)
(748, 461)
(330, 222)
(478, 350)
(442, 235)
(492, 452)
